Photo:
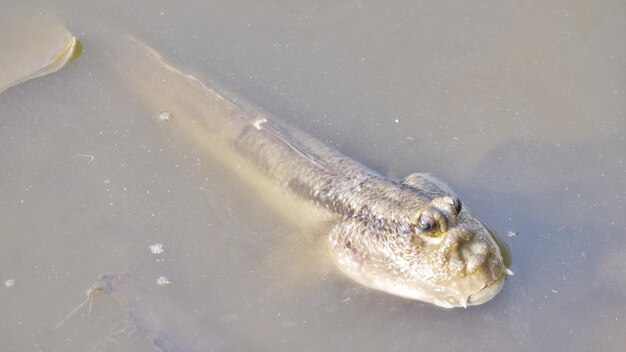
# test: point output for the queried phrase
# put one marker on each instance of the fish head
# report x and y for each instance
(442, 255)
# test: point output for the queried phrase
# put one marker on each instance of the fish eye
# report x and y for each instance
(426, 223)
(430, 222)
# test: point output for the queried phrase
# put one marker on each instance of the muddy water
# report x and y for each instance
(519, 107)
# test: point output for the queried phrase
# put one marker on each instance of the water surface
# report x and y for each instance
(519, 107)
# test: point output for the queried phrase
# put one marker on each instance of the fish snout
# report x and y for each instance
(472, 250)
(479, 255)
(457, 239)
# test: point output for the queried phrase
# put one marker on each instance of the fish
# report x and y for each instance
(412, 238)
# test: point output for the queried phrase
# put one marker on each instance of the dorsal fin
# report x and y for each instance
(428, 182)
(262, 124)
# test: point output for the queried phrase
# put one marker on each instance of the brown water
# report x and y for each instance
(521, 108)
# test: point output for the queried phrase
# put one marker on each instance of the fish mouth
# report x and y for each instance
(487, 292)
(467, 293)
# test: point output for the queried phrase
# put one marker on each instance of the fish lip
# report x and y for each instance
(487, 292)
(460, 299)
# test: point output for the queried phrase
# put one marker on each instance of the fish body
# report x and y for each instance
(411, 237)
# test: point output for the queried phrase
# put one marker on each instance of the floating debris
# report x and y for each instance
(513, 234)
(88, 156)
(156, 248)
(165, 116)
(9, 283)
(162, 281)
(29, 57)
(161, 321)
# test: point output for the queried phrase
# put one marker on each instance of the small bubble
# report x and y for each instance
(165, 116)
(162, 281)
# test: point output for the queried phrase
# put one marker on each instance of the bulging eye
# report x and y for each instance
(426, 223)
(430, 221)
(456, 204)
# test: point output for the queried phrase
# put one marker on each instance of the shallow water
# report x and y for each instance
(520, 108)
